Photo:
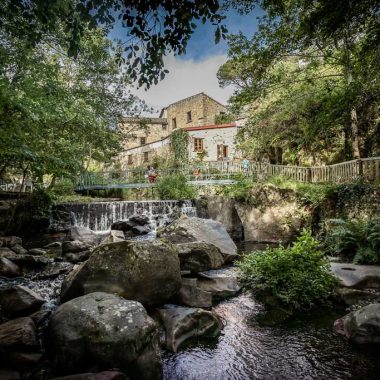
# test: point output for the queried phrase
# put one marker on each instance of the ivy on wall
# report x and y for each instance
(179, 140)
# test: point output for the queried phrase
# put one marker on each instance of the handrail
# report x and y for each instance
(367, 169)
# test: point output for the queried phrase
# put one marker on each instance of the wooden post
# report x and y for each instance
(360, 168)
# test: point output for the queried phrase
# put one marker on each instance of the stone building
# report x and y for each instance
(149, 138)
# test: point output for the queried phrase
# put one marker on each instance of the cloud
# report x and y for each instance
(186, 77)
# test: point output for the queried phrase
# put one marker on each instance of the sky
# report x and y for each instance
(195, 71)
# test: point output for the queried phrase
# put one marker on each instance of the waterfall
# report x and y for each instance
(99, 216)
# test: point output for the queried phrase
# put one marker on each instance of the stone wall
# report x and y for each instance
(211, 139)
(274, 214)
(203, 110)
(152, 130)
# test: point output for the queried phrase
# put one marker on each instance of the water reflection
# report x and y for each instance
(305, 348)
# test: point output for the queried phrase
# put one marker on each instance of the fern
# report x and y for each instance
(358, 240)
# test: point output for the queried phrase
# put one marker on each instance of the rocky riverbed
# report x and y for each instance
(113, 306)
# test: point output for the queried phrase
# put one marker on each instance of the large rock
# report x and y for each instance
(20, 301)
(199, 256)
(8, 268)
(37, 252)
(186, 230)
(75, 246)
(223, 210)
(114, 237)
(10, 241)
(145, 271)
(183, 323)
(220, 283)
(28, 261)
(349, 296)
(86, 235)
(54, 269)
(101, 331)
(357, 276)
(17, 248)
(19, 333)
(361, 326)
(191, 295)
(136, 225)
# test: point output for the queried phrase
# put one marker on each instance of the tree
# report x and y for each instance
(58, 113)
(152, 28)
(329, 39)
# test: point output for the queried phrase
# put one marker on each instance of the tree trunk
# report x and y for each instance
(355, 134)
(353, 114)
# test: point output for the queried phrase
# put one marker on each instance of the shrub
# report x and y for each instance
(294, 278)
(357, 240)
(175, 186)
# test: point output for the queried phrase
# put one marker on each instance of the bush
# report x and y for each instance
(175, 187)
(294, 278)
(357, 240)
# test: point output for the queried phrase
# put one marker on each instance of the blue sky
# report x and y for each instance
(196, 70)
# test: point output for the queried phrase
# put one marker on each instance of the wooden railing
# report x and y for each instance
(366, 169)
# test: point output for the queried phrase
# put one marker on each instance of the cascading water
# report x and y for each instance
(99, 216)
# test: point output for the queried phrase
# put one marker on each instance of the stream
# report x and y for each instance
(301, 348)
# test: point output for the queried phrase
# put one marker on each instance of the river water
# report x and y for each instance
(302, 348)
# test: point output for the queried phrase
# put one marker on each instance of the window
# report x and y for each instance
(142, 140)
(130, 159)
(146, 156)
(174, 123)
(164, 126)
(189, 116)
(198, 145)
(222, 151)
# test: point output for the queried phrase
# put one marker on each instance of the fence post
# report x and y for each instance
(308, 176)
(360, 168)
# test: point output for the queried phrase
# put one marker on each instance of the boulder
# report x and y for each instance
(361, 326)
(86, 235)
(357, 276)
(19, 301)
(40, 316)
(191, 295)
(54, 269)
(77, 257)
(199, 256)
(114, 237)
(220, 283)
(351, 297)
(105, 375)
(19, 333)
(28, 261)
(101, 330)
(55, 244)
(140, 220)
(37, 252)
(8, 268)
(17, 248)
(133, 226)
(186, 230)
(75, 246)
(183, 323)
(140, 230)
(122, 225)
(5, 251)
(9, 241)
(145, 271)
